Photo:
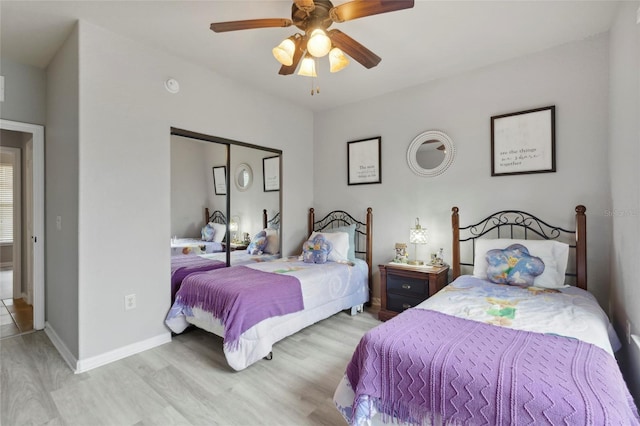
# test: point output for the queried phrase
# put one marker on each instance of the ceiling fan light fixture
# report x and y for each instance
(337, 60)
(319, 44)
(284, 51)
(308, 67)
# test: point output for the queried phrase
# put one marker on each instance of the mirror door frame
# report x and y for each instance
(229, 142)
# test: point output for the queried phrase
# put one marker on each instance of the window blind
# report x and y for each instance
(6, 203)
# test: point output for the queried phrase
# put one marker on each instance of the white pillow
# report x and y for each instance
(554, 254)
(221, 231)
(273, 243)
(340, 241)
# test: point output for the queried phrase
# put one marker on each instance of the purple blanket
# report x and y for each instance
(241, 297)
(181, 266)
(425, 366)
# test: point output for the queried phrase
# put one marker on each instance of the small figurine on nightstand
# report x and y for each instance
(437, 259)
(401, 253)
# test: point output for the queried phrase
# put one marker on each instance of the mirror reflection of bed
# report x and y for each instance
(194, 191)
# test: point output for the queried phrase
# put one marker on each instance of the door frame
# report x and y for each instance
(37, 238)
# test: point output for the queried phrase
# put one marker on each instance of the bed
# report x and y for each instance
(200, 259)
(488, 351)
(256, 305)
(195, 246)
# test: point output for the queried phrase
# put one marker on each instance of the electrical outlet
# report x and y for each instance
(628, 332)
(129, 302)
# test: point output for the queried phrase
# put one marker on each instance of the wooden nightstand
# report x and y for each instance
(404, 286)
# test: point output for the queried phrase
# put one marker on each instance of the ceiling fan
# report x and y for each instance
(314, 17)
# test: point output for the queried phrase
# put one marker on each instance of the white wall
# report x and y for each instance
(124, 196)
(61, 194)
(573, 77)
(624, 148)
(25, 92)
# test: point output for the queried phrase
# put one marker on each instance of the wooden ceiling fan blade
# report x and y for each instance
(250, 24)
(297, 55)
(358, 52)
(360, 8)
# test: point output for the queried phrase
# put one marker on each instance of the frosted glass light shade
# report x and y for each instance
(319, 44)
(233, 226)
(337, 60)
(284, 52)
(418, 236)
(308, 67)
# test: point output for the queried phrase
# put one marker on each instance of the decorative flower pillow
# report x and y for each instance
(208, 232)
(258, 243)
(316, 250)
(513, 266)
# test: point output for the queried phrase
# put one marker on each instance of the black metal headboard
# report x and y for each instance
(522, 225)
(274, 222)
(363, 235)
(216, 217)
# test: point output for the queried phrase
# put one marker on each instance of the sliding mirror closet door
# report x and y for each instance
(198, 184)
(255, 197)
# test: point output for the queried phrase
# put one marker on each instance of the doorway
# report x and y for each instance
(22, 245)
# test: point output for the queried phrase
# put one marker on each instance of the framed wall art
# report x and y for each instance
(220, 180)
(271, 173)
(364, 161)
(523, 142)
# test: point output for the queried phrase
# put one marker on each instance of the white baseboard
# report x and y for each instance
(65, 353)
(120, 353)
(81, 366)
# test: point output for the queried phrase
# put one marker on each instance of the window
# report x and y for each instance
(6, 203)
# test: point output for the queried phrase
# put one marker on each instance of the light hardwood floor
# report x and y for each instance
(185, 382)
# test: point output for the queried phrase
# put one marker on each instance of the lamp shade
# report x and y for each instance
(337, 60)
(308, 67)
(233, 226)
(319, 44)
(418, 235)
(284, 51)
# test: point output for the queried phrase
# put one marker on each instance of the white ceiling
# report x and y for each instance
(431, 40)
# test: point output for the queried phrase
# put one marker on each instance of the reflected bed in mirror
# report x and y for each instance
(430, 153)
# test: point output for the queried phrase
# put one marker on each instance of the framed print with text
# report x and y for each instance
(364, 162)
(220, 180)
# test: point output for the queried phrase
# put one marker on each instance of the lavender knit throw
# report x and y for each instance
(425, 367)
(181, 266)
(241, 297)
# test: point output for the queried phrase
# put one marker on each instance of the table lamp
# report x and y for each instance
(417, 235)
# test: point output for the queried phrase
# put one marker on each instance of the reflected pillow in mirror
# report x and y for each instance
(273, 241)
(208, 232)
(513, 266)
(221, 231)
(258, 243)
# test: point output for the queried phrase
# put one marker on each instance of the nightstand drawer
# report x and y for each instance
(398, 303)
(410, 287)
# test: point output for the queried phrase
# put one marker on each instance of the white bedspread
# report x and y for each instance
(326, 289)
(570, 312)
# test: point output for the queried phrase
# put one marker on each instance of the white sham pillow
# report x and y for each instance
(220, 231)
(340, 242)
(554, 254)
(273, 243)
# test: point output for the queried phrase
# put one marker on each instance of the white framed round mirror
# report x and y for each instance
(243, 177)
(430, 153)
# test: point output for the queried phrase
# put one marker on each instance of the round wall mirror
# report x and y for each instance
(244, 177)
(430, 153)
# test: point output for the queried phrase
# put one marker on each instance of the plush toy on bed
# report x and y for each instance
(316, 250)
(513, 265)
(258, 243)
